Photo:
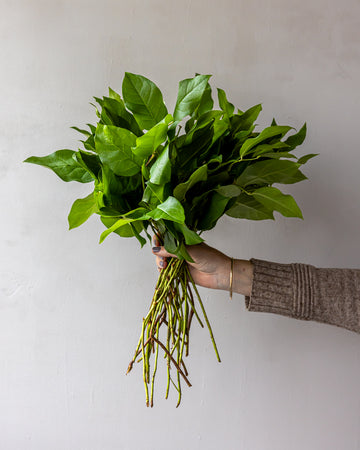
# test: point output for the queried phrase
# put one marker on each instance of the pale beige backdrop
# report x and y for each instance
(70, 310)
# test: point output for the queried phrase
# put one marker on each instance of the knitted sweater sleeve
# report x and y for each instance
(305, 292)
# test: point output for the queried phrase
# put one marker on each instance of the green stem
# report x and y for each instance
(205, 316)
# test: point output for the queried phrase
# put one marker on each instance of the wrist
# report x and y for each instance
(242, 277)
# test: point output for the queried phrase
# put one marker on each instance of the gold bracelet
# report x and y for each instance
(231, 277)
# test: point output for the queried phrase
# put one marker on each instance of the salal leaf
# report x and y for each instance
(219, 125)
(114, 113)
(296, 139)
(190, 93)
(191, 152)
(267, 148)
(191, 237)
(114, 145)
(160, 172)
(267, 133)
(213, 211)
(170, 242)
(84, 132)
(128, 230)
(81, 210)
(304, 159)
(181, 189)
(119, 193)
(150, 141)
(90, 162)
(89, 144)
(171, 209)
(64, 164)
(132, 216)
(224, 104)
(274, 199)
(244, 121)
(246, 207)
(154, 194)
(183, 253)
(230, 190)
(114, 95)
(189, 124)
(206, 102)
(270, 171)
(118, 224)
(144, 99)
(278, 155)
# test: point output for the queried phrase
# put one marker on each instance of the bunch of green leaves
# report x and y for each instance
(177, 174)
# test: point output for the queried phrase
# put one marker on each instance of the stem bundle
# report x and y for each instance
(173, 304)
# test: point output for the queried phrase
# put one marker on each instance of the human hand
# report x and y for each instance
(211, 268)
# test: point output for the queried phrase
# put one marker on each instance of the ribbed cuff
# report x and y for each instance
(285, 289)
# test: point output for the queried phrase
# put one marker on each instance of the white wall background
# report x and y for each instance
(70, 310)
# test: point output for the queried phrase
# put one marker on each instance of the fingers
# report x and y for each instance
(161, 254)
(161, 262)
(160, 251)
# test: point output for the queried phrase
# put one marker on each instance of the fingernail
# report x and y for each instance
(161, 263)
(156, 249)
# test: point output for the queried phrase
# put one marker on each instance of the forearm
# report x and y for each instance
(305, 292)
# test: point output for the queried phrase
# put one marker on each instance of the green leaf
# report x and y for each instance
(274, 199)
(226, 106)
(212, 212)
(170, 243)
(160, 172)
(150, 141)
(127, 230)
(181, 189)
(171, 209)
(144, 99)
(206, 102)
(244, 121)
(132, 216)
(213, 118)
(304, 159)
(183, 253)
(267, 133)
(114, 145)
(268, 148)
(278, 155)
(191, 237)
(230, 190)
(114, 95)
(190, 94)
(154, 194)
(89, 144)
(192, 150)
(90, 162)
(296, 139)
(118, 224)
(246, 207)
(84, 132)
(114, 113)
(81, 210)
(63, 163)
(270, 171)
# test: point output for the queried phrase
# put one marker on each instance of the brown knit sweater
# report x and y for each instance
(305, 292)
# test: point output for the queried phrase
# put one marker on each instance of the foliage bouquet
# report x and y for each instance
(175, 175)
